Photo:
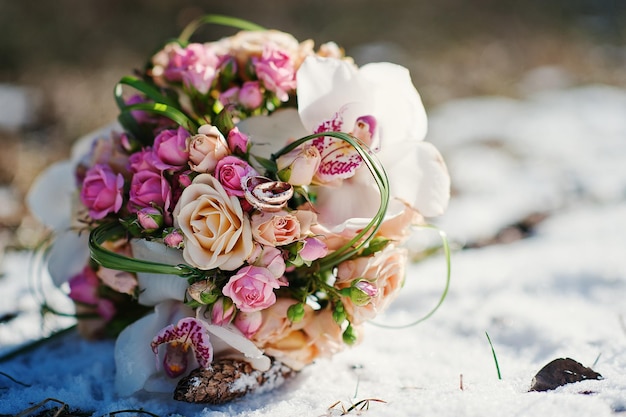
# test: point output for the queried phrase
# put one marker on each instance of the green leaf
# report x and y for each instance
(268, 164)
(108, 259)
(164, 110)
(224, 122)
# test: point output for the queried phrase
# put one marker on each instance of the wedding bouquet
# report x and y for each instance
(245, 215)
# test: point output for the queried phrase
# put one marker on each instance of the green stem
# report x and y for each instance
(495, 358)
(112, 260)
(444, 294)
(380, 176)
(234, 22)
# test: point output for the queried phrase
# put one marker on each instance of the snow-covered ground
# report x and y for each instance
(554, 162)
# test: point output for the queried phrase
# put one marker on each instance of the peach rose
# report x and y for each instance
(385, 270)
(398, 228)
(297, 344)
(206, 149)
(216, 230)
(281, 228)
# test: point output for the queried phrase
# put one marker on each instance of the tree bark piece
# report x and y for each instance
(228, 379)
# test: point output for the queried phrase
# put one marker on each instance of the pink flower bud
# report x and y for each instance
(248, 323)
(299, 166)
(174, 239)
(150, 219)
(237, 141)
(367, 287)
(222, 311)
(250, 95)
(102, 191)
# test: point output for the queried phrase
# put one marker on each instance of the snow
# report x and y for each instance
(557, 293)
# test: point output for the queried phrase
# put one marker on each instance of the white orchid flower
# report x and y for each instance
(379, 104)
(53, 198)
(137, 368)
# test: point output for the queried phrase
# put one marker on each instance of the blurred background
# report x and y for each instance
(60, 60)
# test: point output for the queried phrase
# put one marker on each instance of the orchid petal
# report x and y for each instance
(68, 256)
(323, 84)
(134, 360)
(262, 131)
(188, 332)
(156, 288)
(232, 337)
(433, 185)
(57, 183)
(397, 103)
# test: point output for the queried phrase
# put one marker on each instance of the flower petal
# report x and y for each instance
(68, 256)
(433, 185)
(262, 131)
(398, 105)
(134, 360)
(231, 337)
(156, 288)
(324, 85)
(56, 184)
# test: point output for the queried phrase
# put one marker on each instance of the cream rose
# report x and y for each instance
(385, 270)
(281, 228)
(206, 149)
(216, 231)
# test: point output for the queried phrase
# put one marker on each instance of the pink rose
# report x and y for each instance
(250, 95)
(195, 65)
(200, 73)
(230, 171)
(170, 149)
(147, 189)
(268, 257)
(143, 160)
(84, 289)
(276, 70)
(102, 191)
(252, 288)
(237, 141)
(206, 149)
(108, 151)
(282, 227)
